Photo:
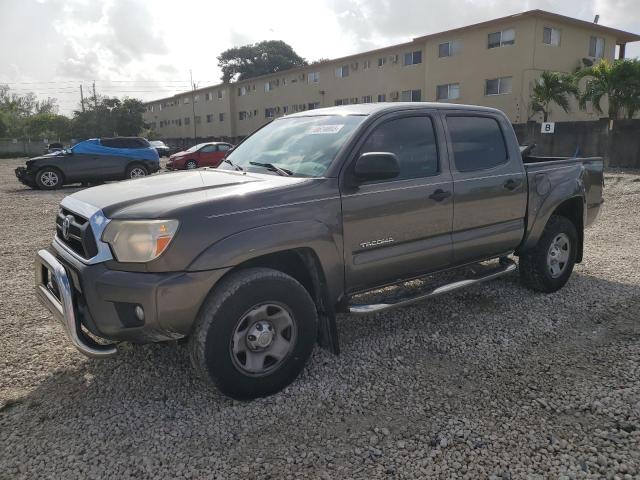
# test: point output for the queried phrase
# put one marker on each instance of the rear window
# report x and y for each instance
(124, 142)
(478, 143)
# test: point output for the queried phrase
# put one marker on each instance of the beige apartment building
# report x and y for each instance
(494, 63)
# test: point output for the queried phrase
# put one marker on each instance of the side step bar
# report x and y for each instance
(505, 266)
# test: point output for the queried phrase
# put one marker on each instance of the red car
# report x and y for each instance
(208, 154)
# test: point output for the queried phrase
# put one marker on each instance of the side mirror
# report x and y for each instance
(372, 166)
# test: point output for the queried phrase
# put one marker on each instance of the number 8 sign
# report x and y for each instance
(548, 127)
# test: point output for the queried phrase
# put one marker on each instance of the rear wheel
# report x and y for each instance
(49, 178)
(136, 171)
(191, 164)
(254, 333)
(548, 266)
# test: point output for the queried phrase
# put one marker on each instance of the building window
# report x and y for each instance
(269, 112)
(411, 95)
(498, 86)
(313, 105)
(285, 109)
(449, 49)
(185, 100)
(196, 98)
(450, 91)
(187, 120)
(551, 36)
(367, 99)
(220, 94)
(198, 119)
(501, 39)
(242, 91)
(413, 58)
(313, 77)
(209, 118)
(242, 115)
(382, 61)
(366, 64)
(596, 47)
(221, 117)
(342, 101)
(382, 97)
(342, 71)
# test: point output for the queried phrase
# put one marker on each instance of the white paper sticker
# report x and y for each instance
(324, 129)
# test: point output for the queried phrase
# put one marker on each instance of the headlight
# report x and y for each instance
(139, 240)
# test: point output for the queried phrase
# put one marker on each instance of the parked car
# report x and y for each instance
(208, 154)
(53, 147)
(95, 160)
(161, 147)
(252, 260)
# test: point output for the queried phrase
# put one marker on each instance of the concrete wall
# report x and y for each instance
(617, 141)
(26, 148)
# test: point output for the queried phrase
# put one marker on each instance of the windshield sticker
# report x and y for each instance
(323, 129)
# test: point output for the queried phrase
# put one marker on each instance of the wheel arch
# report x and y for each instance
(310, 256)
(573, 210)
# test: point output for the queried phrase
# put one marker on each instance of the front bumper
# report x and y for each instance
(103, 300)
(25, 176)
(55, 292)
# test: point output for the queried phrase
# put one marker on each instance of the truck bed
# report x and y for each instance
(552, 178)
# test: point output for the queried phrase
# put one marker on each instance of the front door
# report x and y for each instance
(208, 156)
(490, 190)
(400, 228)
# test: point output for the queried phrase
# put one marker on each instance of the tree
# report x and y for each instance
(106, 117)
(248, 61)
(552, 87)
(619, 82)
(47, 125)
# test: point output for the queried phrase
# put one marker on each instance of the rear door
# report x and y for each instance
(490, 189)
(399, 228)
(223, 149)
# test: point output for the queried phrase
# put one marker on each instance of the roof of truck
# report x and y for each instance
(371, 108)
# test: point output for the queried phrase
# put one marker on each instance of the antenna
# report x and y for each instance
(597, 19)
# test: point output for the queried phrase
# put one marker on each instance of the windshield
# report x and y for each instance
(304, 146)
(196, 147)
(157, 143)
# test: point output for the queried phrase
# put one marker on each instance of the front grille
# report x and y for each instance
(80, 238)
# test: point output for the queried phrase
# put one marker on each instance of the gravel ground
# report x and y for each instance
(492, 382)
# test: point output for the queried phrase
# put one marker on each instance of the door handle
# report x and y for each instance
(439, 195)
(512, 184)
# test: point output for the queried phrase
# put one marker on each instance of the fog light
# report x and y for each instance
(139, 311)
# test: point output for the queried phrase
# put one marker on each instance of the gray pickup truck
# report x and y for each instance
(253, 260)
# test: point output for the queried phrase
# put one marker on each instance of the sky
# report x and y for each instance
(147, 48)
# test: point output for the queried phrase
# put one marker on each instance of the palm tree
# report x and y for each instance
(552, 87)
(618, 81)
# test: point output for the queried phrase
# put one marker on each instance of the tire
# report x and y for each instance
(191, 164)
(223, 330)
(49, 178)
(548, 266)
(136, 170)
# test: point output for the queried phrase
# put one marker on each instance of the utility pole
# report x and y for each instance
(95, 98)
(193, 106)
(81, 99)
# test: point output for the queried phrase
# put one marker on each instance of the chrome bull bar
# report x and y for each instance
(54, 291)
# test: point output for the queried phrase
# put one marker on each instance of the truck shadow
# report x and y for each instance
(156, 389)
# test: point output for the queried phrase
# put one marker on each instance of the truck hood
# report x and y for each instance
(166, 195)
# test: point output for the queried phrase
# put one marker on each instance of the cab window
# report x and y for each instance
(412, 140)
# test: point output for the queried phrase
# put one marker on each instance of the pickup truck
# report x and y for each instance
(251, 262)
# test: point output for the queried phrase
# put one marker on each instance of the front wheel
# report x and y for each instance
(548, 266)
(136, 171)
(49, 178)
(191, 164)
(254, 333)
